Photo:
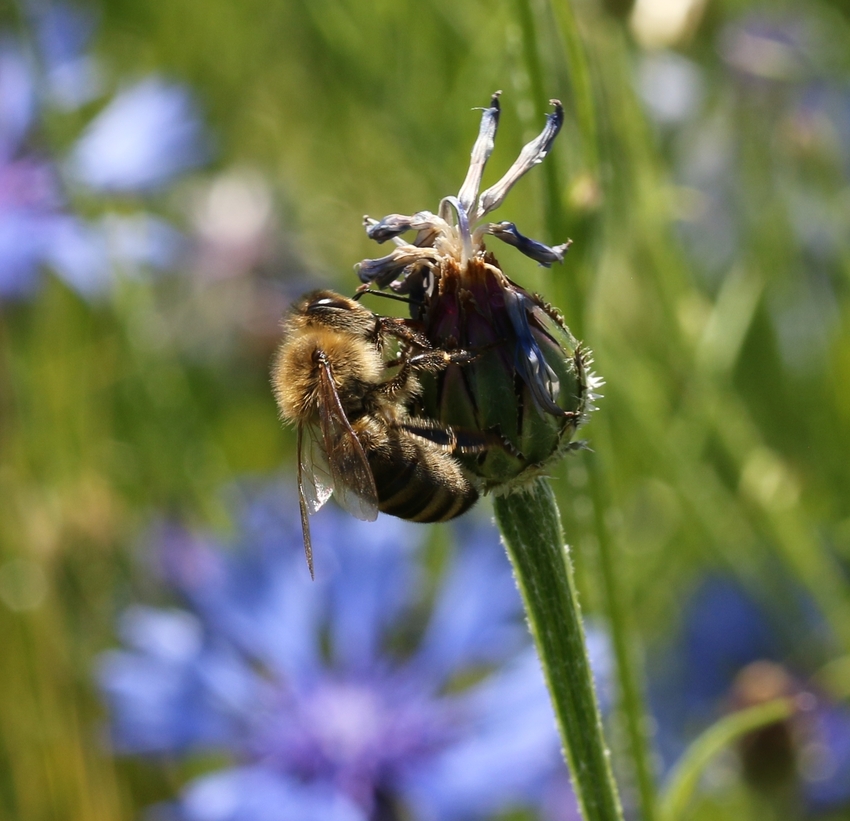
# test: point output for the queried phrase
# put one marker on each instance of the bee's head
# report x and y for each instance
(331, 310)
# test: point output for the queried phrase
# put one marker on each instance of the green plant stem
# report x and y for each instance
(631, 698)
(631, 701)
(685, 777)
(531, 530)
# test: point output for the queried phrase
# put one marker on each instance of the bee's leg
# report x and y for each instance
(429, 361)
(454, 440)
(402, 329)
(435, 361)
(401, 381)
(361, 290)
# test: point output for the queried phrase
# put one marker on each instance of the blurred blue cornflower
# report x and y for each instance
(146, 135)
(353, 698)
(732, 653)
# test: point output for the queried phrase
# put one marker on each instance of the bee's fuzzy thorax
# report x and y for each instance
(296, 371)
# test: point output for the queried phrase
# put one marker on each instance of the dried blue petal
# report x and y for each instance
(384, 270)
(529, 360)
(481, 151)
(394, 224)
(544, 254)
(532, 154)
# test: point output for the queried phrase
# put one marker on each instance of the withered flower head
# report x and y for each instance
(530, 385)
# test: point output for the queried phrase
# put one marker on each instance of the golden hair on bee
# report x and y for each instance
(352, 409)
(344, 331)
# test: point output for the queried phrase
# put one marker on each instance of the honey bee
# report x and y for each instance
(357, 436)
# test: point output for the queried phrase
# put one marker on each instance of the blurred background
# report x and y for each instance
(173, 174)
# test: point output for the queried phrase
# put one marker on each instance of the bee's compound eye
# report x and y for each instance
(329, 302)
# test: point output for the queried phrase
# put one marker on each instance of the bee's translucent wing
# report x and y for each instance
(303, 503)
(316, 482)
(351, 477)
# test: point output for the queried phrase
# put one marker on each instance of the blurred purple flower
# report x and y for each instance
(17, 98)
(732, 653)
(769, 47)
(29, 191)
(671, 86)
(339, 699)
(148, 134)
(142, 139)
(72, 77)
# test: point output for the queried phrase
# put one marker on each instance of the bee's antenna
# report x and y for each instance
(385, 295)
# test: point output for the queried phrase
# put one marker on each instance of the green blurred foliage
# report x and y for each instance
(711, 448)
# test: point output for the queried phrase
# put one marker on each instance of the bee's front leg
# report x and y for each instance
(405, 330)
(431, 361)
(435, 361)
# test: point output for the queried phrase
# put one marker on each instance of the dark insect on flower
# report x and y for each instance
(530, 385)
(769, 754)
(734, 651)
(357, 437)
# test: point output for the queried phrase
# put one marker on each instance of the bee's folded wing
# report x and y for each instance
(316, 478)
(351, 477)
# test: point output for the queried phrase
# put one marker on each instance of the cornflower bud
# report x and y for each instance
(530, 385)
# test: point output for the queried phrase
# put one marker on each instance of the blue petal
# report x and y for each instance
(63, 32)
(158, 706)
(79, 254)
(146, 136)
(73, 78)
(142, 240)
(22, 241)
(509, 755)
(176, 688)
(263, 602)
(383, 270)
(373, 581)
(258, 794)
(530, 363)
(827, 779)
(363, 570)
(475, 617)
(75, 83)
(17, 98)
(172, 635)
(724, 631)
(544, 254)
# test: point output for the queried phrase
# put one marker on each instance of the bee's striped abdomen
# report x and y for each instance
(410, 490)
